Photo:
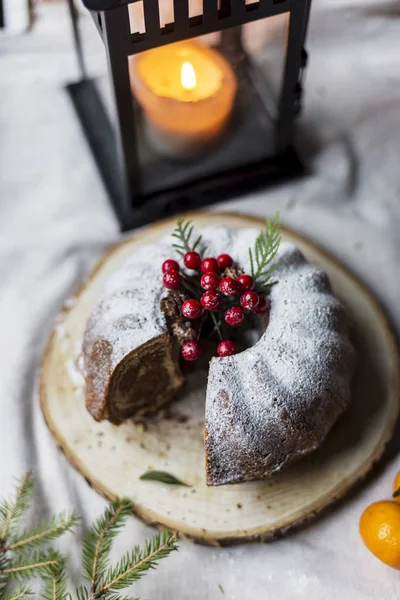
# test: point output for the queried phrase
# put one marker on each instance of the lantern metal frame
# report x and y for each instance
(116, 149)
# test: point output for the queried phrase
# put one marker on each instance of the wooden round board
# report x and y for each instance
(113, 458)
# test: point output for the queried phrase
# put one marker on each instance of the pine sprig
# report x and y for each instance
(21, 560)
(39, 563)
(135, 564)
(43, 533)
(183, 233)
(21, 592)
(264, 253)
(55, 584)
(97, 546)
(82, 593)
(12, 511)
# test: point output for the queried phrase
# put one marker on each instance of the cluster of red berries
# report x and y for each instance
(216, 288)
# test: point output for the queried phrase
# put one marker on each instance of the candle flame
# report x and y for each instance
(188, 76)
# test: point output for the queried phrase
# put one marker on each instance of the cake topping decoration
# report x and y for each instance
(209, 281)
(172, 280)
(211, 300)
(191, 350)
(224, 260)
(209, 265)
(226, 348)
(262, 257)
(234, 316)
(170, 265)
(229, 286)
(249, 300)
(192, 260)
(217, 294)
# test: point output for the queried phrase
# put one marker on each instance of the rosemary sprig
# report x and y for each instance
(183, 233)
(264, 252)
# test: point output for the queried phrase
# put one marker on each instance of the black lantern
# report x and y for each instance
(203, 109)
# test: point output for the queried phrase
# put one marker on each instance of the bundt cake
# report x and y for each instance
(266, 406)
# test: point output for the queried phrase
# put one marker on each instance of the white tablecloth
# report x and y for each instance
(55, 223)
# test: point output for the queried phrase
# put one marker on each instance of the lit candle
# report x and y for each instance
(186, 90)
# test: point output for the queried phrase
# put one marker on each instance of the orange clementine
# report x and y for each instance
(380, 531)
(396, 486)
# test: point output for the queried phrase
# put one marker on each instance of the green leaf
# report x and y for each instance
(43, 533)
(135, 564)
(37, 564)
(221, 589)
(11, 511)
(98, 544)
(162, 477)
(396, 494)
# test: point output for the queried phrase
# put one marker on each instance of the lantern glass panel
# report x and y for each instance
(206, 105)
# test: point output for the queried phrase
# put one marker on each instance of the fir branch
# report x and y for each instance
(43, 533)
(263, 254)
(135, 564)
(97, 546)
(18, 561)
(55, 585)
(12, 511)
(22, 592)
(4, 562)
(39, 563)
(82, 593)
(183, 233)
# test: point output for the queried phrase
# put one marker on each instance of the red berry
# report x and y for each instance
(211, 300)
(246, 282)
(226, 348)
(172, 280)
(224, 260)
(191, 350)
(262, 306)
(191, 309)
(209, 264)
(229, 286)
(234, 316)
(210, 281)
(249, 300)
(170, 265)
(192, 260)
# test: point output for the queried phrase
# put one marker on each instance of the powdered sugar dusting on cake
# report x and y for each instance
(277, 401)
